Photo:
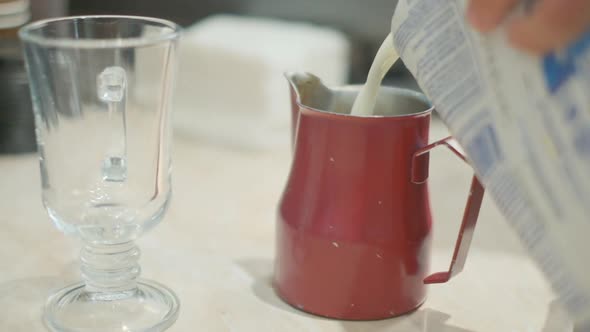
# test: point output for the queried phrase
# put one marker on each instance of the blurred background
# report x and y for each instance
(364, 23)
(246, 43)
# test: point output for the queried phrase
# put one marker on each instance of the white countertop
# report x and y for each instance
(215, 249)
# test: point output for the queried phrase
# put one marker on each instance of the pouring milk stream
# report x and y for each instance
(523, 121)
(364, 104)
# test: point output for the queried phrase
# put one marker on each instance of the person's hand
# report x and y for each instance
(550, 25)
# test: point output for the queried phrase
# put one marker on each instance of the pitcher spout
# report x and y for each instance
(307, 90)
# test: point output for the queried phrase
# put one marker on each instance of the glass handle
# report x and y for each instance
(111, 89)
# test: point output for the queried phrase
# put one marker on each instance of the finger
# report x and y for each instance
(485, 15)
(553, 24)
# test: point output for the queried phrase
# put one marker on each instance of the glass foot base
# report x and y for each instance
(152, 308)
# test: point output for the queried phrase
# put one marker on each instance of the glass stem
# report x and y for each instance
(110, 270)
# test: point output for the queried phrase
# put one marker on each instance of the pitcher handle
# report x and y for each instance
(420, 166)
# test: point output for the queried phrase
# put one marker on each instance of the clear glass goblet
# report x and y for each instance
(101, 89)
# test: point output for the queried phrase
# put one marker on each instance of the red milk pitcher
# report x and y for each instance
(354, 222)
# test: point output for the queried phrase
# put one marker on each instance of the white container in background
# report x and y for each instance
(231, 88)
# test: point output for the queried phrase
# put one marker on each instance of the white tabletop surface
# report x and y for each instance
(215, 249)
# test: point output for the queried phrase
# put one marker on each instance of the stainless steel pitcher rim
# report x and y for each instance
(353, 88)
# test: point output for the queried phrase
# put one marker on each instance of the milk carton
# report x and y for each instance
(524, 122)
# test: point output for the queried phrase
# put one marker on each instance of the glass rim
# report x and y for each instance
(26, 33)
